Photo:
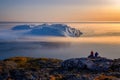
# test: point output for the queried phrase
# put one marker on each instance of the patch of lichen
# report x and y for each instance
(20, 61)
(104, 77)
(45, 62)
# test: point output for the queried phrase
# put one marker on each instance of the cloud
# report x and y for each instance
(56, 2)
(72, 2)
(75, 2)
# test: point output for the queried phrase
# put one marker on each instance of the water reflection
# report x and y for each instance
(8, 46)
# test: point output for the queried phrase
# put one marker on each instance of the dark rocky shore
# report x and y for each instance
(25, 68)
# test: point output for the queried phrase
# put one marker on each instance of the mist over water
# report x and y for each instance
(103, 38)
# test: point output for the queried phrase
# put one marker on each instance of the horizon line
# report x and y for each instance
(60, 22)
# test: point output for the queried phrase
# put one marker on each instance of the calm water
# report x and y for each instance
(101, 37)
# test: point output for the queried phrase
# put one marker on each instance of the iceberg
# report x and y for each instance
(49, 30)
(21, 27)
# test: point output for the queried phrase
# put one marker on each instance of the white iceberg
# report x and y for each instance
(36, 32)
(49, 30)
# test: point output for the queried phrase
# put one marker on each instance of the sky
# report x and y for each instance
(59, 10)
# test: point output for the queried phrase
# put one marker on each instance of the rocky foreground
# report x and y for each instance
(25, 68)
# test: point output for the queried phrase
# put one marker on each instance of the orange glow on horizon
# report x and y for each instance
(99, 14)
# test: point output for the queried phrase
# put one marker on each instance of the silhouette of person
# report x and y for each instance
(96, 54)
(91, 55)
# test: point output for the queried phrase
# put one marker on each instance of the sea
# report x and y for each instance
(101, 37)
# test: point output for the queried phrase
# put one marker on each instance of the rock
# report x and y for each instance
(29, 76)
(116, 65)
(102, 64)
(1, 66)
(104, 77)
(74, 63)
(96, 64)
(56, 77)
(71, 77)
(10, 65)
(116, 74)
(75, 77)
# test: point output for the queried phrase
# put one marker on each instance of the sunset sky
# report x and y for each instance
(59, 10)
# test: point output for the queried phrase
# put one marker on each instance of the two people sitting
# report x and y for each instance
(93, 56)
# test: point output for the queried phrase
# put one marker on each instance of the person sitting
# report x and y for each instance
(91, 55)
(96, 55)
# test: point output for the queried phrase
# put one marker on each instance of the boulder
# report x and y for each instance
(96, 64)
(74, 63)
(116, 65)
